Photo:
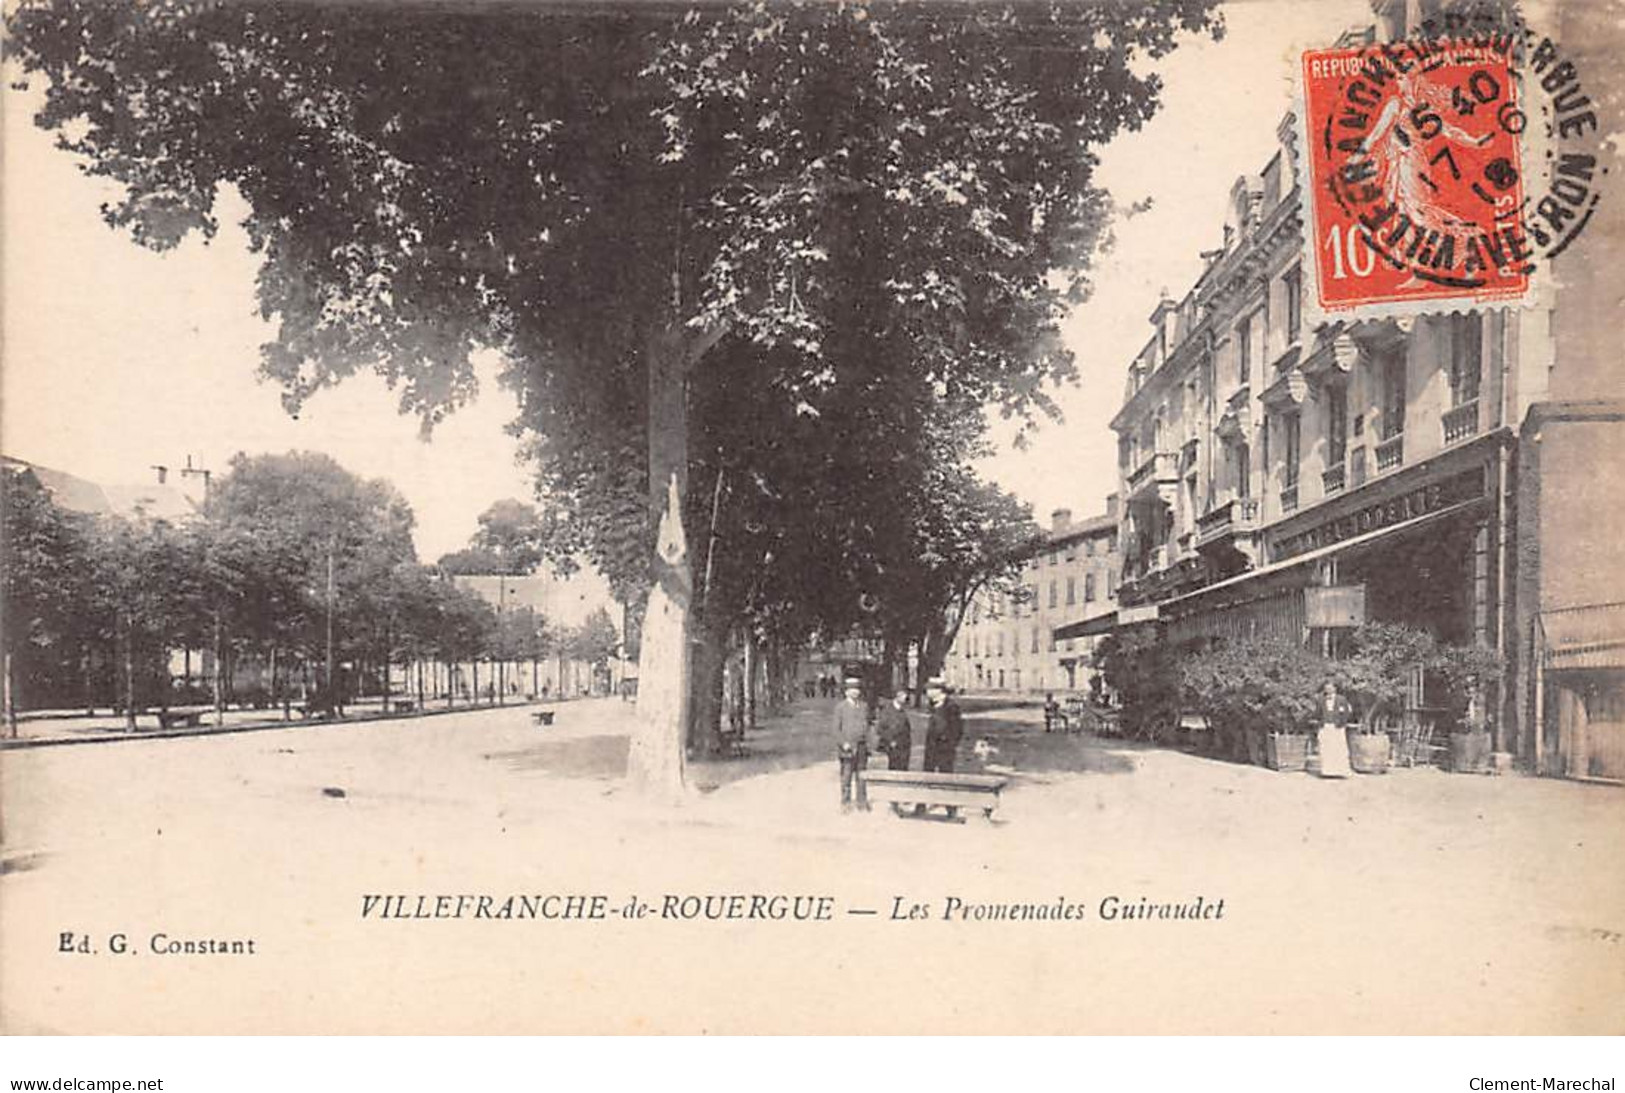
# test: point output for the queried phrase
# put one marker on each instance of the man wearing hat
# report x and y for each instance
(852, 742)
(943, 730)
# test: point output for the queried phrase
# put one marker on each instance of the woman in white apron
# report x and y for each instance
(1333, 741)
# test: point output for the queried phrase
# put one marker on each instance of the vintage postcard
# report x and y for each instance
(636, 517)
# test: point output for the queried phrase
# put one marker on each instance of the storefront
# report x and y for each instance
(1580, 692)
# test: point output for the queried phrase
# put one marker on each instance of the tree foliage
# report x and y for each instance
(1142, 668)
(1256, 684)
(594, 641)
(48, 602)
(856, 225)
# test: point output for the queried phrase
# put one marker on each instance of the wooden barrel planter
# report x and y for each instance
(1256, 746)
(1369, 752)
(1286, 751)
(1470, 752)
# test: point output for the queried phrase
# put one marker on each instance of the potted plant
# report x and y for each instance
(1257, 695)
(1382, 658)
(1287, 749)
(1466, 671)
(1370, 742)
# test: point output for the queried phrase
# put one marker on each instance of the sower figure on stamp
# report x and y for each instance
(893, 733)
(852, 743)
(944, 728)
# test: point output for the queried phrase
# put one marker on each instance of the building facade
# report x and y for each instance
(1008, 643)
(1289, 478)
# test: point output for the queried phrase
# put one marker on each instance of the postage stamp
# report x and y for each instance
(1414, 164)
(1441, 172)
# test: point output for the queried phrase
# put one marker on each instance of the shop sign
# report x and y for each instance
(1335, 608)
(1425, 499)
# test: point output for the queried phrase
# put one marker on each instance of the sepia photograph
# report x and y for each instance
(909, 517)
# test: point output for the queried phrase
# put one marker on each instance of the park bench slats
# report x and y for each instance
(931, 788)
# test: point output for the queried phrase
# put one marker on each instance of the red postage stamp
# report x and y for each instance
(1414, 176)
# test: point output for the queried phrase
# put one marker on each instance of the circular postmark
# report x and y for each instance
(1446, 166)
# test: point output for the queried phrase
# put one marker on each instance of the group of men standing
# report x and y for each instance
(892, 733)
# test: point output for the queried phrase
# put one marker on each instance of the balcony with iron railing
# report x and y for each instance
(1289, 498)
(1335, 477)
(1391, 452)
(1237, 516)
(1461, 423)
(1159, 468)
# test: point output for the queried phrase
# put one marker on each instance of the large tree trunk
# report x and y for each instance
(709, 671)
(656, 760)
(933, 651)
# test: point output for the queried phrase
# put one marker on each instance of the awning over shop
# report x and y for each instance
(1236, 584)
(1087, 628)
(1248, 586)
(1105, 624)
(1590, 636)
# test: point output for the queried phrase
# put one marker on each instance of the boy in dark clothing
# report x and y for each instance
(893, 732)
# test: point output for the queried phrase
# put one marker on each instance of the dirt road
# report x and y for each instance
(1412, 902)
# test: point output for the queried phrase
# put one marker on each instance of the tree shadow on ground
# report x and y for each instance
(799, 739)
(602, 757)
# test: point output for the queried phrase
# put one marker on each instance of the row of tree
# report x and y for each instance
(758, 271)
(295, 567)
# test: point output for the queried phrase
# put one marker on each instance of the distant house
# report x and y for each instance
(156, 500)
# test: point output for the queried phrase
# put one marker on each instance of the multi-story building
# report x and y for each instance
(1567, 654)
(1282, 478)
(1008, 642)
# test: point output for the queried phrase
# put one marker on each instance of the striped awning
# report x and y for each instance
(1590, 636)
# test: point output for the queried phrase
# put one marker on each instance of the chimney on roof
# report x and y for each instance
(1060, 521)
(1111, 505)
(163, 473)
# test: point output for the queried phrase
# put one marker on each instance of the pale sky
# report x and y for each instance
(116, 358)
(1221, 104)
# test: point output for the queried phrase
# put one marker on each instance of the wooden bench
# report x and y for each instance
(186, 719)
(953, 792)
